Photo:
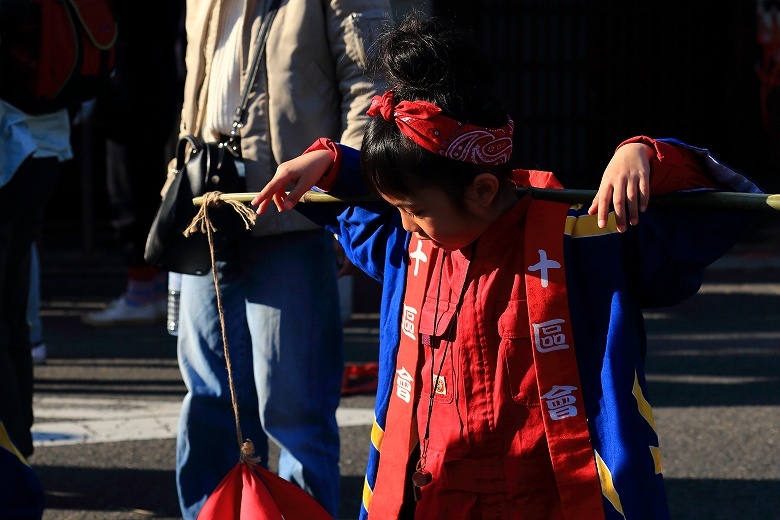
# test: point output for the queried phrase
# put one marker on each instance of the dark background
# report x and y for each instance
(579, 77)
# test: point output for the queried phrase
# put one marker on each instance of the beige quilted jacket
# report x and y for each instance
(312, 83)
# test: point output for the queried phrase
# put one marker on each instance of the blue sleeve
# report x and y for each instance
(370, 232)
(673, 245)
(661, 261)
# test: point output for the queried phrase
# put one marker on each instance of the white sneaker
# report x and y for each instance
(121, 313)
(39, 354)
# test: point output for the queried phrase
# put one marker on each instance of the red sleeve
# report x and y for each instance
(329, 178)
(536, 179)
(673, 168)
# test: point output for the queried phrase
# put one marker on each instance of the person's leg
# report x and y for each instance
(34, 309)
(207, 444)
(16, 374)
(135, 173)
(34, 299)
(22, 204)
(295, 323)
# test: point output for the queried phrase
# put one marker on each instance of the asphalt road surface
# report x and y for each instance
(107, 401)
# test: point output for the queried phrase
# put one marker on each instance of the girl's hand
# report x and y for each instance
(625, 185)
(303, 172)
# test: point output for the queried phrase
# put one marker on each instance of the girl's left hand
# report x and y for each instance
(625, 186)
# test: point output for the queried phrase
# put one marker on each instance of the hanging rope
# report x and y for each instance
(201, 223)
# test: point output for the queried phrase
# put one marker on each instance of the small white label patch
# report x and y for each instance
(440, 385)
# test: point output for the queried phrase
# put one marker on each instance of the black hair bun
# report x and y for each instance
(432, 53)
(435, 60)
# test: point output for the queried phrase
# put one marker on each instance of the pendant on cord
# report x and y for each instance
(420, 478)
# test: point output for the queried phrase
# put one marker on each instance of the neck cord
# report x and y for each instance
(421, 477)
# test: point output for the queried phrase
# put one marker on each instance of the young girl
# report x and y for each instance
(512, 342)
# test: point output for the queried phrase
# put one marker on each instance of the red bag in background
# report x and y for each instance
(54, 54)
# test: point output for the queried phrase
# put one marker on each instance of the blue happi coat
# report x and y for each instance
(610, 277)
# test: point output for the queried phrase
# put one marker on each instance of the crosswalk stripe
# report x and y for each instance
(68, 420)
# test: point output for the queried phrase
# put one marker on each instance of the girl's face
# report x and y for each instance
(429, 214)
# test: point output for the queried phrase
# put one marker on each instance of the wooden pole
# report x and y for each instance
(701, 199)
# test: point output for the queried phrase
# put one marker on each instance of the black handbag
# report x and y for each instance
(200, 168)
(203, 167)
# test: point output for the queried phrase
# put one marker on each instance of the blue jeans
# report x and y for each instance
(283, 327)
(34, 300)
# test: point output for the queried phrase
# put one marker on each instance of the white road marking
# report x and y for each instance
(69, 420)
(698, 379)
(764, 289)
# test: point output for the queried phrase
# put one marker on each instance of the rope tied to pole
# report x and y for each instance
(202, 223)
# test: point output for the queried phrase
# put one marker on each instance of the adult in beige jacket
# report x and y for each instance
(285, 337)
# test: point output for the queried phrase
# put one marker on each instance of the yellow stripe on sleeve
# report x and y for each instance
(5, 443)
(377, 434)
(588, 226)
(655, 451)
(644, 407)
(607, 486)
(367, 493)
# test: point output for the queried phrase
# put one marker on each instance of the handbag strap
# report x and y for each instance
(182, 149)
(262, 38)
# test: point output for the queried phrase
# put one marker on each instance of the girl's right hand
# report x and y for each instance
(302, 173)
(624, 186)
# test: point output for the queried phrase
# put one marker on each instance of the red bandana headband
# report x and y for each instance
(423, 123)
